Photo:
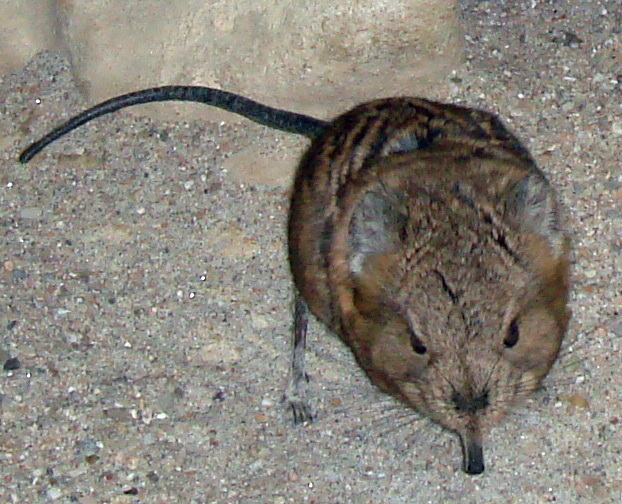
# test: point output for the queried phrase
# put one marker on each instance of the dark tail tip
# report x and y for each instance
(34, 148)
(25, 156)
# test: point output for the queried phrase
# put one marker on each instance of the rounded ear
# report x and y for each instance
(532, 204)
(378, 227)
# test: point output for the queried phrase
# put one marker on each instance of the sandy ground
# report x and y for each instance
(145, 301)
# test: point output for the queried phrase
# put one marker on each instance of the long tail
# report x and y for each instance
(274, 118)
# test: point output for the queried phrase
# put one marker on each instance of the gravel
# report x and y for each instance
(145, 315)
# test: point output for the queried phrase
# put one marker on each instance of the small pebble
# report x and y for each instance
(616, 328)
(54, 493)
(12, 364)
(31, 213)
(261, 417)
(19, 274)
(579, 401)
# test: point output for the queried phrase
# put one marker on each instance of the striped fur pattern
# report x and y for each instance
(425, 236)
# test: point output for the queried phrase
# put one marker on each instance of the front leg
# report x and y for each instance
(296, 392)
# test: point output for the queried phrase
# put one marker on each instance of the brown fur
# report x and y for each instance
(451, 236)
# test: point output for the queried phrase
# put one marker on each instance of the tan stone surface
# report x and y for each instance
(26, 28)
(314, 57)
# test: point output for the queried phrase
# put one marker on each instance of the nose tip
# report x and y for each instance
(472, 452)
(474, 460)
(475, 468)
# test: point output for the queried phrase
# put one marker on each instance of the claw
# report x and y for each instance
(302, 412)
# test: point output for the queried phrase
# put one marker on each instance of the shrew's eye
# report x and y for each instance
(511, 338)
(416, 343)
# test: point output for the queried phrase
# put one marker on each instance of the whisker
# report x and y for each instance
(367, 415)
(425, 422)
(572, 362)
(393, 422)
(558, 383)
(580, 342)
(411, 419)
(492, 370)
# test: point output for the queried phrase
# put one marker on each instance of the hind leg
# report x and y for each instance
(295, 394)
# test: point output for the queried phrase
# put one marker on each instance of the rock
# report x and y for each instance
(314, 57)
(616, 327)
(31, 213)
